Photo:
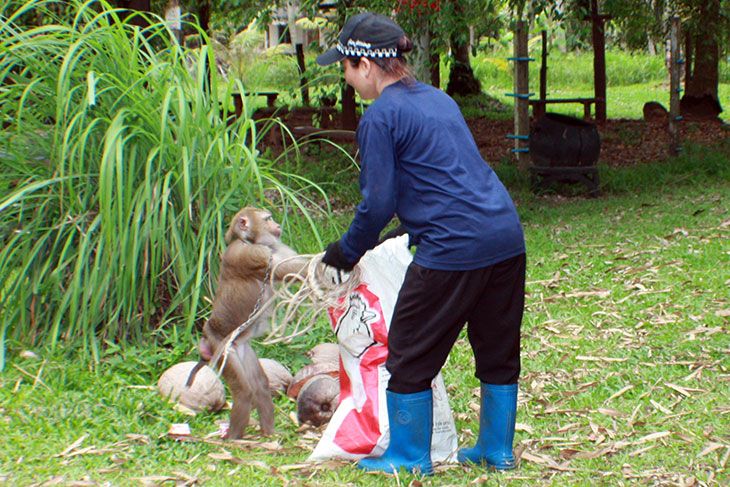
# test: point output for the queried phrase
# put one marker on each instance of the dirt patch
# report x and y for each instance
(623, 142)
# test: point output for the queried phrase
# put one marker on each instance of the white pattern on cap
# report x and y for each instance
(362, 49)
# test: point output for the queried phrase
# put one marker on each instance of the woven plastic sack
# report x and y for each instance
(359, 426)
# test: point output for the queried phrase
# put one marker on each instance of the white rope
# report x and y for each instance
(322, 287)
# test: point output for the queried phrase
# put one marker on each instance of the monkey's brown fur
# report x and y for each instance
(253, 242)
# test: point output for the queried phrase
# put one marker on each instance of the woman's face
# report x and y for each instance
(361, 77)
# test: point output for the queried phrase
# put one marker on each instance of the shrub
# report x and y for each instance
(119, 172)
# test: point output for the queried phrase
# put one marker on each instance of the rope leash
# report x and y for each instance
(317, 291)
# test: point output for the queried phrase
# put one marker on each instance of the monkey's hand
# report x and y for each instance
(335, 258)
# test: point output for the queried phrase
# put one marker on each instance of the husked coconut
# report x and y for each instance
(309, 371)
(205, 394)
(325, 352)
(318, 400)
(279, 376)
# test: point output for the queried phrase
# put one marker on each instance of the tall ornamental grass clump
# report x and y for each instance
(118, 175)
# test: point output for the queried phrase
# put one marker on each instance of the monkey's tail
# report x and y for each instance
(194, 372)
(322, 287)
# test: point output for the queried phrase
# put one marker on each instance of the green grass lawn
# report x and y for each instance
(625, 366)
(633, 78)
(623, 102)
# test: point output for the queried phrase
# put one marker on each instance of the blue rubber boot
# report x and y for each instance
(411, 422)
(496, 428)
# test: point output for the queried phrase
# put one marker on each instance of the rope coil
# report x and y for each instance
(321, 288)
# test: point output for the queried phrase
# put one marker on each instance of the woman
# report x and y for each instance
(419, 161)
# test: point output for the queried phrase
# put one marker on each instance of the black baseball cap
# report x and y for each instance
(365, 35)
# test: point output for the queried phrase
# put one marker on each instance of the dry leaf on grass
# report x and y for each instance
(623, 390)
(614, 413)
(157, 480)
(72, 446)
(653, 437)
(725, 457)
(229, 457)
(660, 407)
(641, 451)
(54, 481)
(679, 389)
(139, 438)
(36, 378)
(600, 359)
(546, 461)
(711, 447)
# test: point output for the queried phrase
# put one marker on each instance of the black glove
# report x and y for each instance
(335, 258)
(396, 232)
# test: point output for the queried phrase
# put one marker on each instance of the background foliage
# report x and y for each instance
(119, 170)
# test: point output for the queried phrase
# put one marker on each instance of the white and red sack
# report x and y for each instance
(359, 426)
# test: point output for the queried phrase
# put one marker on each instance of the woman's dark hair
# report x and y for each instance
(395, 66)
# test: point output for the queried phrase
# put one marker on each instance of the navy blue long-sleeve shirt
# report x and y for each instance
(419, 161)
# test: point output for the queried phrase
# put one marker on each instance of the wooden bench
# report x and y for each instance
(271, 97)
(337, 135)
(539, 106)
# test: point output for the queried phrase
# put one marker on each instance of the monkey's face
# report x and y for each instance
(271, 226)
(255, 226)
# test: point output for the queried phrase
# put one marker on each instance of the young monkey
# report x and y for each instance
(253, 249)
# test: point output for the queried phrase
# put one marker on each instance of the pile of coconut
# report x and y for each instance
(315, 387)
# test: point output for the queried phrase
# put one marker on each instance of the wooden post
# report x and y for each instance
(543, 67)
(674, 80)
(599, 61)
(349, 117)
(302, 68)
(522, 99)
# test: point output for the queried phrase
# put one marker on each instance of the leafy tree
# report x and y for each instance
(435, 25)
(705, 25)
(705, 30)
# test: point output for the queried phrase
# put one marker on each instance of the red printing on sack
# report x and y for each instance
(360, 430)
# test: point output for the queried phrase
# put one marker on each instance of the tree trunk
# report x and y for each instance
(599, 60)
(302, 68)
(435, 69)
(204, 15)
(461, 79)
(701, 101)
(420, 57)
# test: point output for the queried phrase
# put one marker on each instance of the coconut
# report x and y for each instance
(205, 394)
(279, 376)
(325, 352)
(318, 400)
(308, 372)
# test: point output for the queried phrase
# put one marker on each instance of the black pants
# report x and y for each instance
(433, 307)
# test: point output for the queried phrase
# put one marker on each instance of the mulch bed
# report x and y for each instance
(623, 142)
